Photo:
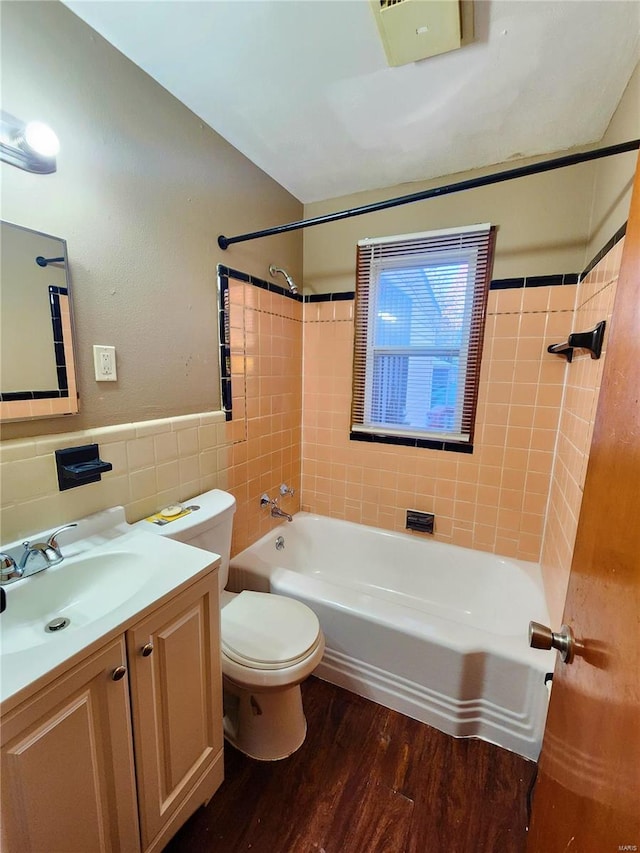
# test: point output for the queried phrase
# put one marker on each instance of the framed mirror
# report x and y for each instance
(37, 364)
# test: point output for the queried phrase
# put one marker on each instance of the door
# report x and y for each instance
(176, 696)
(68, 781)
(587, 796)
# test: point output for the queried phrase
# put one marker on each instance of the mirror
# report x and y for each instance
(37, 365)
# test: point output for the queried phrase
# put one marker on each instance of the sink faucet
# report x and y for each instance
(9, 571)
(49, 551)
(33, 559)
(276, 512)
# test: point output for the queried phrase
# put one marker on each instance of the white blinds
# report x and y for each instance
(420, 304)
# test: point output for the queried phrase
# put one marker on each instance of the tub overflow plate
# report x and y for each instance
(280, 543)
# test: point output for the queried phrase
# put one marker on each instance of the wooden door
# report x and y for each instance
(587, 797)
(176, 691)
(68, 781)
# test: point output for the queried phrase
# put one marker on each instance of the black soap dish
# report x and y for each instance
(78, 466)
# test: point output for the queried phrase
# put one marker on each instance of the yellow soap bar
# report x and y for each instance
(162, 518)
(171, 511)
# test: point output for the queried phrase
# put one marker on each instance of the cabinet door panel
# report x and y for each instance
(188, 700)
(67, 765)
(176, 702)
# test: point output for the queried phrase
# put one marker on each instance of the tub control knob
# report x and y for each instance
(541, 637)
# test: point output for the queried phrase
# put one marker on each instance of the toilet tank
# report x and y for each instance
(208, 527)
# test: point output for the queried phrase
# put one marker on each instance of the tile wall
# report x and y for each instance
(291, 424)
(264, 435)
(493, 500)
(595, 298)
(154, 463)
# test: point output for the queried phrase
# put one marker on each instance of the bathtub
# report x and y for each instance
(434, 631)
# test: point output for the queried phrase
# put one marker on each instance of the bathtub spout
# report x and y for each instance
(276, 512)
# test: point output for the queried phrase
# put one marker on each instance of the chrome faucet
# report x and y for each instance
(33, 559)
(9, 571)
(276, 512)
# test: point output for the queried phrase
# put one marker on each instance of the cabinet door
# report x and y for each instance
(176, 691)
(68, 780)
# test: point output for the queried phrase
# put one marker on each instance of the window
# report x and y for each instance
(420, 305)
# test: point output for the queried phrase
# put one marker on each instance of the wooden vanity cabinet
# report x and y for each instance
(68, 780)
(176, 700)
(106, 760)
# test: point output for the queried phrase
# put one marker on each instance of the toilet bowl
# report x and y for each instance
(269, 643)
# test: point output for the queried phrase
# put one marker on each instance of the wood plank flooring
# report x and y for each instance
(366, 780)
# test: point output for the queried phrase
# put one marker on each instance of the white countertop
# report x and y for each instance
(174, 565)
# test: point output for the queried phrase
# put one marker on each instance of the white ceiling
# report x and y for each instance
(303, 89)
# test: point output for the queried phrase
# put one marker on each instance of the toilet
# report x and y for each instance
(269, 643)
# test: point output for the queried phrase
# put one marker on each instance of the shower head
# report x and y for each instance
(273, 271)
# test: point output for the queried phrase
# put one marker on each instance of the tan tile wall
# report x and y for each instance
(155, 463)
(265, 433)
(493, 500)
(594, 302)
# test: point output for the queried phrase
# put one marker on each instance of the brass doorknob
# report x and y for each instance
(541, 637)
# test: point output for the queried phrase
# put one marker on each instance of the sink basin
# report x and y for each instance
(81, 589)
(112, 575)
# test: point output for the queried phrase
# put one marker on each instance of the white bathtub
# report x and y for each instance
(435, 631)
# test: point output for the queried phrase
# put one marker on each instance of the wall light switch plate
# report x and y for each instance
(104, 362)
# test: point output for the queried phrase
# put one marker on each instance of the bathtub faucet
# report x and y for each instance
(276, 512)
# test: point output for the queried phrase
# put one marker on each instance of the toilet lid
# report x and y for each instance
(265, 631)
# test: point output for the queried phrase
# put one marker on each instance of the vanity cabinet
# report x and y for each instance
(176, 700)
(116, 753)
(68, 780)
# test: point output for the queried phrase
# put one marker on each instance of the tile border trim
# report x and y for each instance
(225, 273)
(405, 441)
(556, 280)
(271, 286)
(55, 292)
(340, 296)
(604, 250)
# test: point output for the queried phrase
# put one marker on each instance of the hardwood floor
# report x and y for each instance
(366, 780)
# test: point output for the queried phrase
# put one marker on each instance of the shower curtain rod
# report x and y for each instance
(447, 189)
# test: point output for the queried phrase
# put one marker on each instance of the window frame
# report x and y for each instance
(474, 245)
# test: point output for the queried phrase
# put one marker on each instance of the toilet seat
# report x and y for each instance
(264, 631)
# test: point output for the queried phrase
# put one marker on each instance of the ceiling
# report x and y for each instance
(303, 89)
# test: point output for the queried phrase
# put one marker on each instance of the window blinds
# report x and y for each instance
(419, 324)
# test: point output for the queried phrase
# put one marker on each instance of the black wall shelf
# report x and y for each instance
(78, 466)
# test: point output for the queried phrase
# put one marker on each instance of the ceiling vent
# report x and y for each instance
(415, 29)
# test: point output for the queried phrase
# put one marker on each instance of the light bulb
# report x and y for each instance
(41, 139)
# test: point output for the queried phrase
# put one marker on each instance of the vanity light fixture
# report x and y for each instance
(31, 146)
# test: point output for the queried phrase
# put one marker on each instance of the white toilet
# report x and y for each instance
(270, 643)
